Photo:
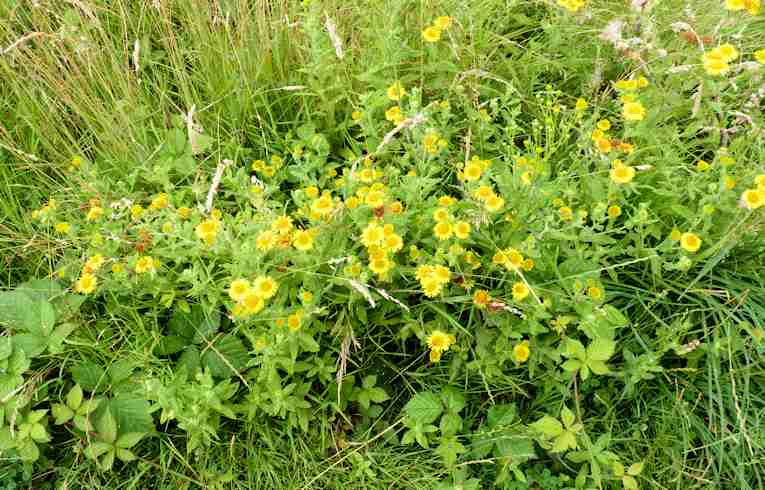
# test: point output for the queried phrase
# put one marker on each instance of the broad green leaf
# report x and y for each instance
(82, 423)
(120, 371)
(74, 397)
(39, 319)
(408, 437)
(96, 449)
(377, 395)
(107, 461)
(41, 289)
(61, 413)
(629, 482)
(28, 451)
(424, 407)
(88, 406)
(565, 441)
(549, 426)
(57, 337)
(13, 308)
(501, 415)
(88, 375)
(369, 381)
(517, 448)
(453, 399)
(227, 353)
(615, 317)
(635, 469)
(571, 365)
(170, 344)
(600, 349)
(130, 439)
(451, 423)
(125, 455)
(308, 343)
(31, 344)
(575, 349)
(133, 414)
(567, 416)
(39, 434)
(6, 347)
(598, 367)
(107, 426)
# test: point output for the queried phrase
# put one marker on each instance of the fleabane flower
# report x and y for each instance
(431, 34)
(396, 91)
(145, 264)
(690, 242)
(239, 289)
(521, 352)
(753, 198)
(207, 230)
(622, 174)
(86, 284)
(633, 111)
(265, 287)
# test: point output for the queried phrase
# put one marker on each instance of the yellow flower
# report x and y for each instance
(753, 198)
(94, 213)
(396, 207)
(752, 6)
(604, 125)
(373, 234)
(207, 230)
(528, 264)
(735, 4)
(117, 268)
(160, 201)
(375, 198)
(675, 235)
(581, 105)
(380, 265)
(93, 263)
(571, 5)
(702, 166)
(184, 212)
(760, 181)
(565, 213)
(690, 242)
(356, 115)
(443, 230)
(434, 356)
(494, 203)
(393, 243)
(294, 321)
(481, 298)
(439, 341)
(265, 286)
(715, 66)
(462, 230)
(239, 289)
(302, 240)
(595, 293)
(396, 91)
(63, 227)
(394, 115)
(729, 182)
(727, 52)
(759, 55)
(633, 111)
(323, 205)
(145, 264)
(521, 352)
(614, 211)
(282, 225)
(603, 145)
(306, 296)
(472, 171)
(443, 22)
(86, 284)
(431, 34)
(265, 241)
(253, 303)
(622, 174)
(441, 214)
(520, 291)
(136, 211)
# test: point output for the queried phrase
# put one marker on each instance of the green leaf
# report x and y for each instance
(449, 449)
(133, 414)
(74, 397)
(96, 449)
(424, 407)
(6, 347)
(548, 426)
(615, 317)
(28, 451)
(517, 449)
(378, 395)
(120, 371)
(88, 406)
(369, 381)
(189, 360)
(598, 367)
(82, 423)
(500, 415)
(571, 365)
(453, 399)
(88, 375)
(565, 441)
(195, 325)
(125, 455)
(308, 343)
(13, 308)
(635, 469)
(39, 434)
(451, 423)
(629, 482)
(170, 344)
(61, 413)
(226, 353)
(39, 320)
(107, 461)
(575, 349)
(31, 344)
(107, 426)
(130, 439)
(601, 349)
(567, 417)
(57, 337)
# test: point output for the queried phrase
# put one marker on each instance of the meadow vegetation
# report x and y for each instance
(382, 244)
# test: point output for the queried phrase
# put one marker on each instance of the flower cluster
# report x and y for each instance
(251, 297)
(438, 343)
(432, 33)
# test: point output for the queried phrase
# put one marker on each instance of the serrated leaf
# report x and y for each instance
(424, 407)
(635, 469)
(571, 365)
(565, 441)
(598, 367)
(88, 375)
(74, 397)
(575, 349)
(549, 426)
(133, 414)
(378, 395)
(567, 417)
(516, 449)
(451, 423)
(170, 344)
(227, 353)
(31, 344)
(125, 455)
(601, 349)
(615, 317)
(107, 426)
(39, 320)
(61, 413)
(130, 439)
(96, 449)
(501, 415)
(453, 399)
(195, 325)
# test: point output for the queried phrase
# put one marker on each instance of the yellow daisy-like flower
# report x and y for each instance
(581, 105)
(396, 91)
(86, 284)
(690, 242)
(265, 286)
(323, 205)
(472, 171)
(752, 6)
(393, 243)
(604, 125)
(160, 201)
(735, 4)
(727, 52)
(595, 293)
(675, 235)
(63, 227)
(633, 111)
(520, 291)
(302, 240)
(207, 230)
(282, 225)
(396, 207)
(373, 234)
(441, 214)
(622, 174)
(357, 115)
(94, 213)
(145, 264)
(394, 115)
(565, 213)
(443, 230)
(753, 198)
(521, 352)
(434, 356)
(759, 56)
(239, 289)
(253, 303)
(462, 230)
(481, 298)
(380, 265)
(94, 263)
(443, 22)
(266, 240)
(494, 203)
(715, 66)
(439, 341)
(431, 34)
(614, 211)
(294, 321)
